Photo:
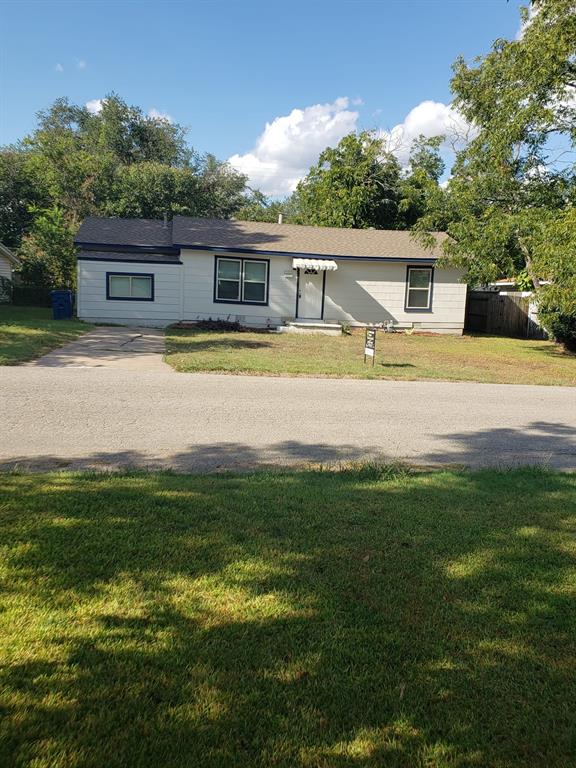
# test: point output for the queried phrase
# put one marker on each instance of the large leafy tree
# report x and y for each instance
(117, 162)
(513, 186)
(556, 259)
(150, 189)
(355, 184)
(124, 131)
(258, 207)
(419, 187)
(19, 193)
(222, 189)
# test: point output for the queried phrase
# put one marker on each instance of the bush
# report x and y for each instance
(562, 327)
(31, 296)
(220, 325)
(5, 290)
(557, 310)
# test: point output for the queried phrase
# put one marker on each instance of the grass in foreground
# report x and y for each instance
(362, 618)
(28, 332)
(399, 356)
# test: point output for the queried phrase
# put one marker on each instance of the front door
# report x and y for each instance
(310, 290)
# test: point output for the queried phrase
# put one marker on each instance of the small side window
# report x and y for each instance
(123, 286)
(419, 288)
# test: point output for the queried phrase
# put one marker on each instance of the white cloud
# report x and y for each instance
(94, 106)
(290, 144)
(81, 64)
(58, 67)
(429, 118)
(157, 115)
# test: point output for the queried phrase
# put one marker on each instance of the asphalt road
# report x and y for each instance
(109, 417)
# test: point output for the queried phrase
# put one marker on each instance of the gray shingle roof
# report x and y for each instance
(296, 239)
(134, 256)
(253, 236)
(133, 232)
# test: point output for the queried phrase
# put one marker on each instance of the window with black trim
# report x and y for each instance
(127, 286)
(419, 288)
(241, 281)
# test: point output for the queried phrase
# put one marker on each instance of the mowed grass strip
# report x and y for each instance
(398, 356)
(28, 332)
(370, 617)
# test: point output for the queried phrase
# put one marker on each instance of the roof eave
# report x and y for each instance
(128, 248)
(303, 254)
(10, 255)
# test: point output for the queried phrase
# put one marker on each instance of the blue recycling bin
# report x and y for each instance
(61, 304)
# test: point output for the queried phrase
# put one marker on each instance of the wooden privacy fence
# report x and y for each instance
(502, 314)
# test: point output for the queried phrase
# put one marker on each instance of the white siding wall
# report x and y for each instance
(357, 292)
(5, 271)
(199, 292)
(93, 305)
(372, 292)
(5, 267)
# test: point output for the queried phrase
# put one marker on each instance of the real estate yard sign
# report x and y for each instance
(370, 344)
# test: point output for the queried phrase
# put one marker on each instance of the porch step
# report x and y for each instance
(310, 326)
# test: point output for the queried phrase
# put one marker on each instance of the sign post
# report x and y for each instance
(370, 344)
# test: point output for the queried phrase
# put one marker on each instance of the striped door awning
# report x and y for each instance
(319, 264)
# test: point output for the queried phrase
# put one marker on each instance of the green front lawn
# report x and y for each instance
(28, 332)
(314, 619)
(399, 356)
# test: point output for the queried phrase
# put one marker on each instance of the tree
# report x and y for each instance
(117, 162)
(150, 190)
(556, 261)
(19, 192)
(76, 155)
(353, 185)
(48, 253)
(222, 188)
(260, 208)
(515, 180)
(123, 131)
(419, 190)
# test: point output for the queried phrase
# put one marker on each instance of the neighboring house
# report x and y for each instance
(149, 272)
(505, 285)
(8, 261)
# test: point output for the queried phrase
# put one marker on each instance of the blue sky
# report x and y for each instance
(310, 70)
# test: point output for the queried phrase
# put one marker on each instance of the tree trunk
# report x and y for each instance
(529, 266)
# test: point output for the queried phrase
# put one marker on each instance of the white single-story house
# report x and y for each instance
(150, 272)
(8, 261)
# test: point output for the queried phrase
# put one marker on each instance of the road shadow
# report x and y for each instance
(204, 458)
(539, 443)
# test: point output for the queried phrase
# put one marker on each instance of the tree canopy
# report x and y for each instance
(355, 184)
(513, 186)
(116, 162)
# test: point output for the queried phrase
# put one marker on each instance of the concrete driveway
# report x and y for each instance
(110, 347)
(99, 417)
